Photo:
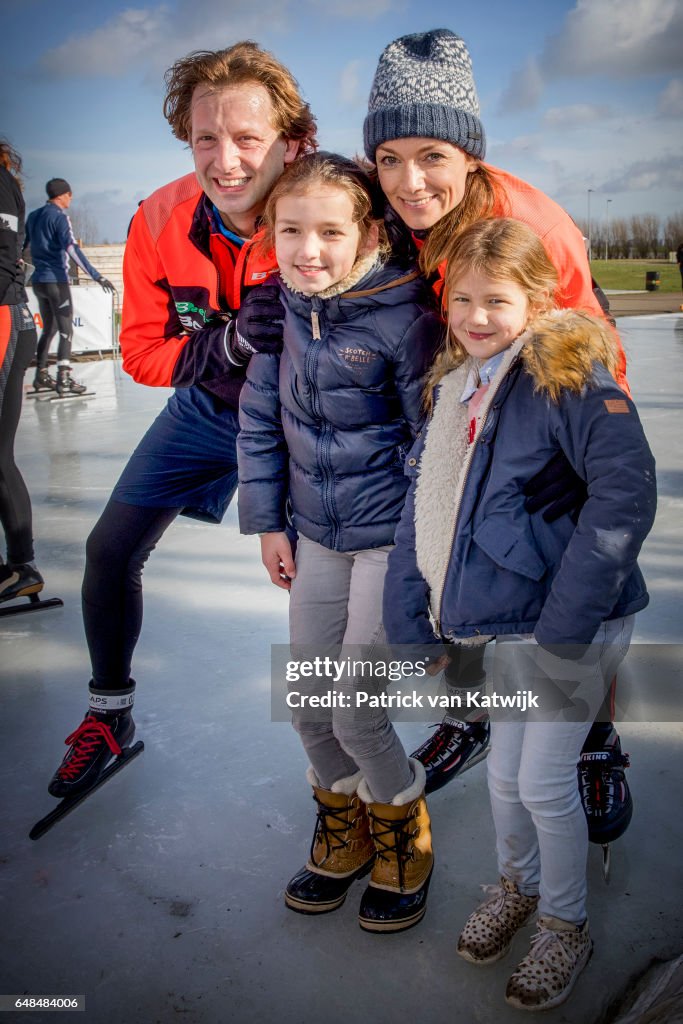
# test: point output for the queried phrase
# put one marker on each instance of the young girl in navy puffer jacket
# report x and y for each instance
(327, 424)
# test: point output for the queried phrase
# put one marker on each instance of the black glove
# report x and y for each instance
(258, 324)
(106, 285)
(557, 489)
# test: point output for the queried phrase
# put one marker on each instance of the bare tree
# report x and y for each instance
(598, 239)
(619, 237)
(652, 226)
(673, 232)
(645, 234)
(84, 224)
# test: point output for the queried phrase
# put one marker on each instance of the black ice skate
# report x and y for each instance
(19, 581)
(92, 745)
(98, 749)
(43, 381)
(605, 793)
(452, 749)
(67, 387)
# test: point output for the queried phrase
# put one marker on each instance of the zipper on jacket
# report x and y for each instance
(324, 443)
(224, 300)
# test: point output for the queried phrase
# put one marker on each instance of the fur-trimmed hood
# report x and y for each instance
(561, 349)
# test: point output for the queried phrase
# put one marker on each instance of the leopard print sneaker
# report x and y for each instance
(545, 977)
(491, 928)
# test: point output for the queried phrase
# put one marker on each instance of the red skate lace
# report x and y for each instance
(85, 740)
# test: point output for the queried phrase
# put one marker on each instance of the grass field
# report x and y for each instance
(629, 275)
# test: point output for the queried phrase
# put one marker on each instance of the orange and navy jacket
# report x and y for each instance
(562, 241)
(183, 283)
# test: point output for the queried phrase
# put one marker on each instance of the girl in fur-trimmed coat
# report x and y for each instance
(518, 382)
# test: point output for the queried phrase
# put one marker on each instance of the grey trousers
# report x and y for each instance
(541, 832)
(335, 600)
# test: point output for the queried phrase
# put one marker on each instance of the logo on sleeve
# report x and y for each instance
(616, 405)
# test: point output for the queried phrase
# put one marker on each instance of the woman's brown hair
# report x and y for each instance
(477, 203)
(10, 159)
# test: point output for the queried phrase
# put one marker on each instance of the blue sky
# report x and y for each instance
(575, 94)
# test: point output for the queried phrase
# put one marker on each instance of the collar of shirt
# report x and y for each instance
(483, 374)
(218, 226)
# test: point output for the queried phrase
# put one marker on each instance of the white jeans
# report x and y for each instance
(541, 831)
(336, 598)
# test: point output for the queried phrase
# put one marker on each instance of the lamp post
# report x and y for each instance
(607, 229)
(589, 225)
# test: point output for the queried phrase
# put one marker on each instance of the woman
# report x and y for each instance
(424, 135)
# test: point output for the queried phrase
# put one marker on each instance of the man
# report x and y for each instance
(51, 238)
(189, 264)
(679, 261)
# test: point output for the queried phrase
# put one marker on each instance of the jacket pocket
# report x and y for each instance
(509, 549)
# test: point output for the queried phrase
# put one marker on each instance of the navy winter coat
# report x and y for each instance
(329, 422)
(467, 547)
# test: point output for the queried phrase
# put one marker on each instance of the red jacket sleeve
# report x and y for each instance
(153, 342)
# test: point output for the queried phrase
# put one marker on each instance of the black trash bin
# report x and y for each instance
(652, 281)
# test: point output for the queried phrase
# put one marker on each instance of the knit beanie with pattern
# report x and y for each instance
(424, 88)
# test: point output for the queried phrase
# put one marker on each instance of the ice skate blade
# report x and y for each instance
(606, 861)
(68, 804)
(34, 604)
(51, 396)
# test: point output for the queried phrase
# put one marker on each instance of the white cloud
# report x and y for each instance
(110, 49)
(575, 115)
(524, 90)
(613, 38)
(350, 92)
(367, 9)
(662, 172)
(670, 103)
(527, 144)
(620, 38)
(644, 168)
(155, 37)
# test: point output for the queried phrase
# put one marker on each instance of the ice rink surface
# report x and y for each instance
(160, 898)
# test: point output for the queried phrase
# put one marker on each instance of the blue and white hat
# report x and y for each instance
(424, 88)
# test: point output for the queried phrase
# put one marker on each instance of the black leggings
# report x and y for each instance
(15, 504)
(54, 301)
(116, 551)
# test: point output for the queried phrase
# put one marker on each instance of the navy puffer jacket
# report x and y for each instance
(329, 422)
(466, 549)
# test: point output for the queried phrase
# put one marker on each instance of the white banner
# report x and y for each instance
(93, 319)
